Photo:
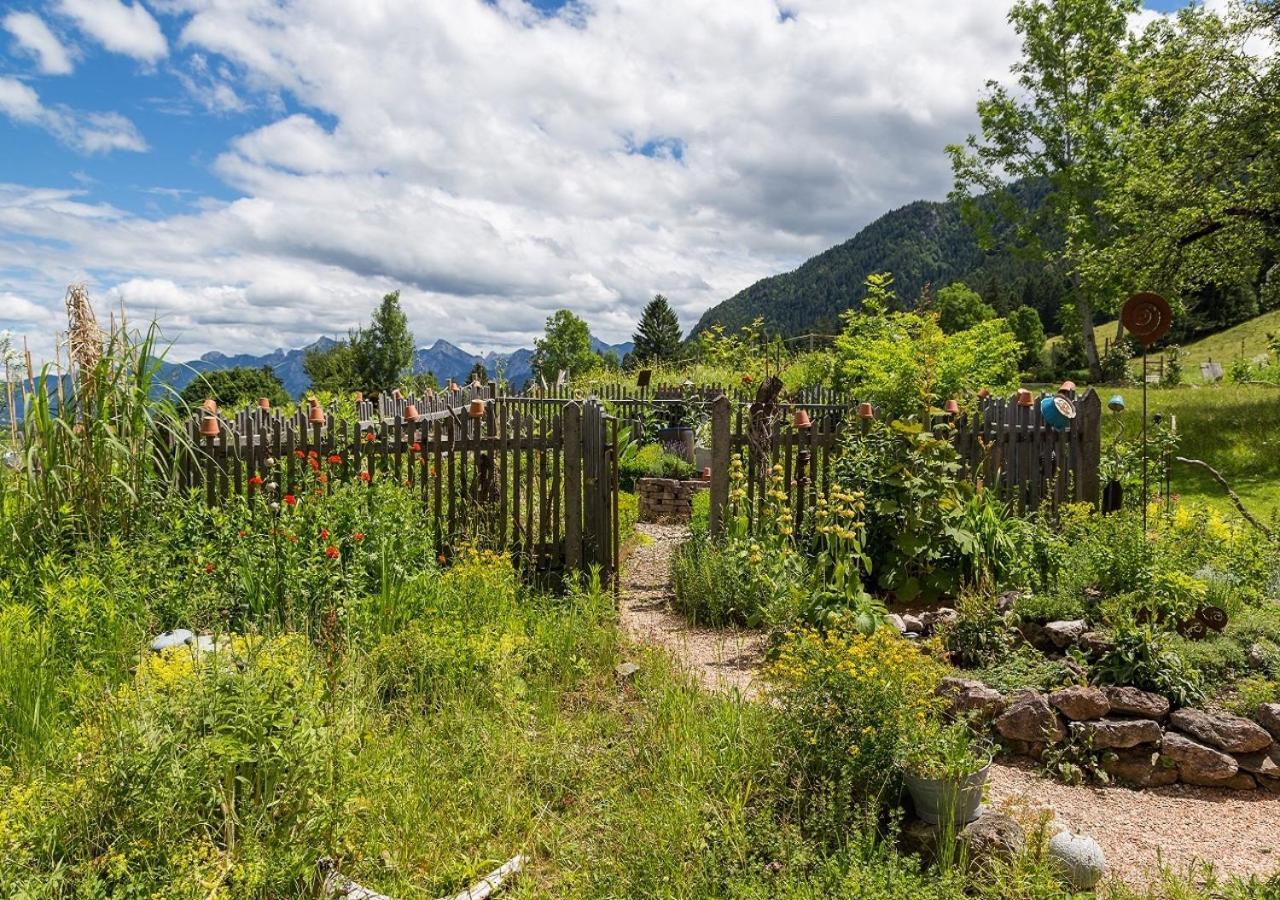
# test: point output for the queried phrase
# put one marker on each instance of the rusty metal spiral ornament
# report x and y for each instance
(1147, 317)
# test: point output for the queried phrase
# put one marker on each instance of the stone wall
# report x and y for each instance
(667, 499)
(1140, 742)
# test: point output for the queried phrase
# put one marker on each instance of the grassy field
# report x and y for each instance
(1247, 340)
(1233, 427)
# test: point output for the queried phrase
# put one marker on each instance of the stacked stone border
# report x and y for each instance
(666, 500)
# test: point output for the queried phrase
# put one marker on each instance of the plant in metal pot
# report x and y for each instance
(945, 766)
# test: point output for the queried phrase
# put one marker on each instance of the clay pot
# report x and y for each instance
(476, 411)
(984, 394)
(1025, 398)
(801, 420)
(264, 403)
(706, 473)
(316, 416)
(1067, 387)
(358, 396)
(209, 426)
(209, 405)
(411, 412)
(951, 407)
(865, 411)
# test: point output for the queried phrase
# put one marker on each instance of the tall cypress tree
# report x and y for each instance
(657, 336)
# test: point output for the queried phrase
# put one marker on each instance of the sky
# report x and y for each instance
(256, 173)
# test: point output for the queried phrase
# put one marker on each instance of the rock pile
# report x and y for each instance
(664, 500)
(1144, 744)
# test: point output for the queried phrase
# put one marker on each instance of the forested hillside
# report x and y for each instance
(921, 243)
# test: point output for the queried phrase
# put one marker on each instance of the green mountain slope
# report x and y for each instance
(921, 243)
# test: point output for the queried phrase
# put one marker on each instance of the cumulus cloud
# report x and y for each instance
(126, 28)
(85, 132)
(497, 163)
(37, 40)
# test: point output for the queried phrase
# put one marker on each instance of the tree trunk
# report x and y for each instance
(1086, 331)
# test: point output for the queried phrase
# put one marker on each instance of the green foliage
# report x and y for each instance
(905, 364)
(235, 388)
(1028, 330)
(960, 308)
(566, 346)
(979, 635)
(657, 335)
(651, 461)
(383, 352)
(943, 751)
(332, 368)
(1140, 655)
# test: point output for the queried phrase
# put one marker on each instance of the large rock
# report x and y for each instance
(1139, 767)
(938, 618)
(1131, 701)
(1030, 718)
(1198, 764)
(1113, 734)
(1268, 716)
(896, 621)
(967, 697)
(1222, 730)
(1081, 703)
(1261, 762)
(1094, 643)
(1079, 858)
(1269, 783)
(1064, 634)
(913, 623)
(992, 836)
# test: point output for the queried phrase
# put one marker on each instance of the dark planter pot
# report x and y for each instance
(678, 439)
(1112, 497)
(934, 798)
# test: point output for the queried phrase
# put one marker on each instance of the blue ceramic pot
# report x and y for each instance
(1058, 411)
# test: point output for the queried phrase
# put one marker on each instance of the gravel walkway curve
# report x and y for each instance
(1178, 827)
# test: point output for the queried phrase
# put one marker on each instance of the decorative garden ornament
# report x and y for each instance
(209, 426)
(801, 420)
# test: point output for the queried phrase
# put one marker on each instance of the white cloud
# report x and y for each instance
(35, 38)
(89, 133)
(126, 28)
(485, 159)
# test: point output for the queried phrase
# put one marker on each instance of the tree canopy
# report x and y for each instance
(657, 337)
(564, 347)
(959, 308)
(372, 359)
(236, 387)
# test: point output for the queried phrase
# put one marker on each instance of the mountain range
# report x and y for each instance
(442, 358)
(921, 244)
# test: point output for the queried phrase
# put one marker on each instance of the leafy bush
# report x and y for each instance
(846, 703)
(979, 634)
(1140, 655)
(651, 461)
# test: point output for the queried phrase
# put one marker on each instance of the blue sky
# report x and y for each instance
(255, 176)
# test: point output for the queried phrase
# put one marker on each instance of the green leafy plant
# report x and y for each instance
(1140, 655)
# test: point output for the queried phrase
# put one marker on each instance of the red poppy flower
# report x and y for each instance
(208, 568)
(290, 500)
(416, 447)
(293, 538)
(331, 551)
(313, 454)
(369, 437)
(299, 454)
(242, 532)
(358, 536)
(324, 479)
(364, 476)
(440, 559)
(256, 480)
(324, 534)
(334, 459)
(314, 464)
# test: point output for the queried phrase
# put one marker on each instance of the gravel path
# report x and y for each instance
(1178, 826)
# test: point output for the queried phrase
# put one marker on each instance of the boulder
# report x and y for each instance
(1081, 703)
(1030, 718)
(992, 836)
(967, 697)
(1222, 730)
(1268, 716)
(1261, 762)
(626, 671)
(936, 618)
(1033, 749)
(1117, 734)
(1006, 601)
(1079, 858)
(1268, 783)
(1198, 764)
(1139, 767)
(1064, 634)
(169, 639)
(1241, 781)
(1258, 658)
(1094, 643)
(896, 621)
(912, 623)
(1131, 701)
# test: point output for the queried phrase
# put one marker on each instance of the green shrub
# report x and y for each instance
(652, 461)
(1141, 655)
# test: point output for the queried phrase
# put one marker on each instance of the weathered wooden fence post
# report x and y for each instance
(572, 486)
(720, 452)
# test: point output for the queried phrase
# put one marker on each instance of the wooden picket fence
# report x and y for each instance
(538, 483)
(1032, 467)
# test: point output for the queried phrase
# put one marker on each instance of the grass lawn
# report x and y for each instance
(1233, 427)
(1247, 340)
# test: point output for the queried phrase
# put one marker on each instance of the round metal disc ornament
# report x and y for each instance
(1147, 317)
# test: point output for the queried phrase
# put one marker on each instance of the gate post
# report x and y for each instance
(572, 486)
(719, 463)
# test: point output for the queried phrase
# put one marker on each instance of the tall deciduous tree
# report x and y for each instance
(384, 350)
(1026, 326)
(565, 347)
(1059, 127)
(959, 308)
(657, 336)
(236, 387)
(331, 368)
